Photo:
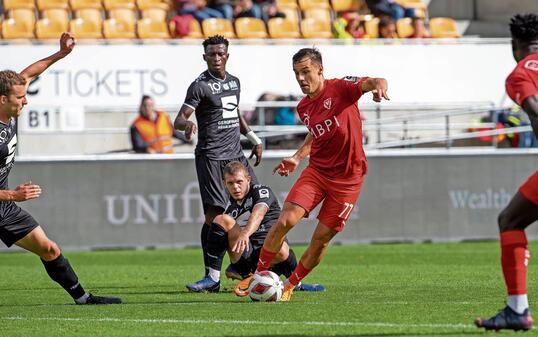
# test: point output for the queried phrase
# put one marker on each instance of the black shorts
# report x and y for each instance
(210, 180)
(15, 223)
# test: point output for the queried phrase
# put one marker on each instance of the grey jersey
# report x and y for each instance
(8, 143)
(215, 102)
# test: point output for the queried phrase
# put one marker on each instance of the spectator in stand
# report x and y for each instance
(390, 8)
(387, 28)
(420, 31)
(198, 9)
(152, 130)
(224, 7)
(247, 9)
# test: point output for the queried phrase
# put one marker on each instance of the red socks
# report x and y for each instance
(264, 261)
(514, 259)
(298, 274)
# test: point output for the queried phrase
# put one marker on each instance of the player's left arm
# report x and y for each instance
(378, 86)
(253, 223)
(257, 148)
(530, 106)
(67, 43)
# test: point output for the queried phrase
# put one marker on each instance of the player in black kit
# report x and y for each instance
(16, 225)
(214, 97)
(242, 230)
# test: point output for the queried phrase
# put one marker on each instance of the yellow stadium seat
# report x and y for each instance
(195, 30)
(149, 29)
(12, 29)
(49, 29)
(372, 28)
(346, 5)
(443, 28)
(155, 14)
(12, 4)
(83, 4)
(128, 16)
(25, 15)
(146, 4)
(58, 15)
(286, 3)
(85, 29)
(412, 4)
(113, 4)
(307, 4)
(316, 29)
(321, 14)
(292, 13)
(47, 4)
(113, 29)
(280, 28)
(90, 15)
(404, 27)
(214, 26)
(250, 28)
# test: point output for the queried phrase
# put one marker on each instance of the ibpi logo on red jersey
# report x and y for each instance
(327, 103)
(531, 65)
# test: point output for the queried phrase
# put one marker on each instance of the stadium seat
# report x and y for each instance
(372, 28)
(84, 4)
(250, 28)
(149, 29)
(90, 15)
(146, 4)
(113, 4)
(404, 27)
(48, 4)
(49, 29)
(280, 28)
(58, 15)
(125, 15)
(12, 29)
(346, 5)
(214, 26)
(25, 15)
(195, 30)
(113, 29)
(443, 28)
(292, 13)
(321, 14)
(307, 4)
(316, 29)
(85, 29)
(155, 14)
(12, 4)
(286, 3)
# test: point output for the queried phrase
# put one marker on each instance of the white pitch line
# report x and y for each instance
(246, 322)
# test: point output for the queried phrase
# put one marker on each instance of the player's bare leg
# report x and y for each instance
(313, 255)
(58, 268)
(513, 220)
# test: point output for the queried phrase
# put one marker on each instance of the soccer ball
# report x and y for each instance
(266, 286)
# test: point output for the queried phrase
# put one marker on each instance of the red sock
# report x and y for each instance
(298, 274)
(514, 259)
(265, 259)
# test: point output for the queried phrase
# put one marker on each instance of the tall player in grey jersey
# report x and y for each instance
(16, 225)
(214, 97)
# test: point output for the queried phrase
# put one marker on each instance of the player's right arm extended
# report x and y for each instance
(530, 106)
(22, 192)
(288, 165)
(182, 122)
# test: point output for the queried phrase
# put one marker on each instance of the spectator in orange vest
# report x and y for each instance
(152, 130)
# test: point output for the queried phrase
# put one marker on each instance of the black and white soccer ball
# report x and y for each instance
(266, 286)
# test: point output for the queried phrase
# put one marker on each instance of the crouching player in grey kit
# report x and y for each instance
(16, 225)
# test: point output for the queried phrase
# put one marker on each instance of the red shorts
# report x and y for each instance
(529, 189)
(338, 195)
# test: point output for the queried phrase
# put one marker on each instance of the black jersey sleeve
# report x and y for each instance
(262, 194)
(195, 94)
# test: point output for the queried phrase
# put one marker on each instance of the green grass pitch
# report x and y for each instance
(372, 290)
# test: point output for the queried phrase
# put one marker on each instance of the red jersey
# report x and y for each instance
(333, 119)
(523, 81)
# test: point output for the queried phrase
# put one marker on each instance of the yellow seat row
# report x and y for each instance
(81, 4)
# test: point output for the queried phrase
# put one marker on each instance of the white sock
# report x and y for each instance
(82, 299)
(214, 274)
(518, 303)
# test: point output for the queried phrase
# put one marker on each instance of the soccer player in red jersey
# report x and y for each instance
(522, 87)
(337, 164)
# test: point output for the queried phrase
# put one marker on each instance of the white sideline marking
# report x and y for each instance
(202, 321)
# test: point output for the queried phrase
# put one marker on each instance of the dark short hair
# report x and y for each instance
(9, 78)
(524, 27)
(312, 53)
(215, 40)
(144, 98)
(234, 167)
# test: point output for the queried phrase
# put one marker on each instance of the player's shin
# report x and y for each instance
(203, 236)
(298, 274)
(61, 272)
(217, 243)
(514, 259)
(264, 261)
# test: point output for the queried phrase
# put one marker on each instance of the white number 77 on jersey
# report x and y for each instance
(346, 212)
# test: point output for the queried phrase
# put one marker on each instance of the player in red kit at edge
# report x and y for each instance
(337, 164)
(522, 87)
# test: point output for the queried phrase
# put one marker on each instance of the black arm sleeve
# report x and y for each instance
(139, 146)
